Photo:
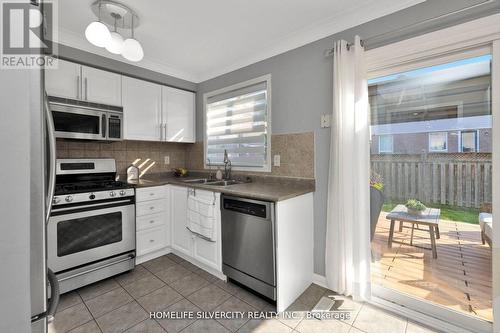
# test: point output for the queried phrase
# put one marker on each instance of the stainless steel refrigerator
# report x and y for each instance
(27, 168)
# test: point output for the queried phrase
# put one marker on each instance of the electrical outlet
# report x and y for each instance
(326, 121)
(277, 160)
(166, 159)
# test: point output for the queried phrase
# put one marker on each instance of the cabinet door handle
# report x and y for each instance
(78, 92)
(151, 240)
(165, 129)
(86, 90)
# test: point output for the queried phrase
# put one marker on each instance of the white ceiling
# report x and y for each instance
(198, 39)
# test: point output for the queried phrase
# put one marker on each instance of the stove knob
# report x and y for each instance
(122, 192)
(69, 198)
(56, 200)
(92, 196)
(112, 194)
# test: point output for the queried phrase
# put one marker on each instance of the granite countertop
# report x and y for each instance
(268, 188)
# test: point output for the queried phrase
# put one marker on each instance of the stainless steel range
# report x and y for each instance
(91, 230)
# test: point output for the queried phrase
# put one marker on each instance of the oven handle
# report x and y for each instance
(96, 268)
(108, 204)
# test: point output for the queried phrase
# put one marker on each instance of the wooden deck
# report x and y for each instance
(460, 277)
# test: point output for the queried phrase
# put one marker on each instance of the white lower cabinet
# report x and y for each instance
(150, 240)
(181, 237)
(152, 222)
(206, 252)
(161, 220)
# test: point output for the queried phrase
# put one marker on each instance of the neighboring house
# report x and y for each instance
(446, 111)
(452, 141)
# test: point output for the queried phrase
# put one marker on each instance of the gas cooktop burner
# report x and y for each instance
(89, 187)
(81, 181)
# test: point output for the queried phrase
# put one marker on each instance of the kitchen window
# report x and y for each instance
(438, 142)
(386, 144)
(238, 120)
(468, 142)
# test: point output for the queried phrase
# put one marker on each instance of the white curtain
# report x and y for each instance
(348, 254)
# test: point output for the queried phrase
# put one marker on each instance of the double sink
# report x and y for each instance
(206, 181)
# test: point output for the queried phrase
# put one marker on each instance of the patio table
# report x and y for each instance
(429, 217)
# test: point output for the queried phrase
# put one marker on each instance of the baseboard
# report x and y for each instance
(167, 250)
(152, 255)
(320, 280)
(201, 265)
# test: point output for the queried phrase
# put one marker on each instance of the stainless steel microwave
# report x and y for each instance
(83, 120)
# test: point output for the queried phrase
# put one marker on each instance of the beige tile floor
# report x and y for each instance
(168, 283)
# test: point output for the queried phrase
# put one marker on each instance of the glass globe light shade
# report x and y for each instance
(98, 34)
(116, 43)
(132, 50)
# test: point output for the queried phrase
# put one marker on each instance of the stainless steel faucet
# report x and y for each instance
(227, 166)
(210, 174)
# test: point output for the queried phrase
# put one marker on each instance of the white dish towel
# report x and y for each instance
(201, 217)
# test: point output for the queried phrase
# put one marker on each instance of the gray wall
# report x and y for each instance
(302, 85)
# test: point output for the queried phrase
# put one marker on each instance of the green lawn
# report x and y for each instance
(452, 213)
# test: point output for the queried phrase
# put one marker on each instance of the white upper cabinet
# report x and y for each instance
(178, 115)
(152, 112)
(65, 81)
(100, 86)
(142, 110)
(75, 81)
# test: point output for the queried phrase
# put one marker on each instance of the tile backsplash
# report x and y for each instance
(296, 154)
(296, 151)
(151, 155)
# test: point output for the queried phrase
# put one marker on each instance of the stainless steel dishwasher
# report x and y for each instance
(248, 243)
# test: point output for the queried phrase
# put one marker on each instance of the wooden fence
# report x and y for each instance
(456, 182)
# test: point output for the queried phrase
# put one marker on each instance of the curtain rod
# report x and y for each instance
(330, 52)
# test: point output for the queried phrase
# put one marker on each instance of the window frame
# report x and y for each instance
(476, 141)
(473, 38)
(446, 143)
(392, 144)
(264, 78)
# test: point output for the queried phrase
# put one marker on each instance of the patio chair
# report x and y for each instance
(486, 223)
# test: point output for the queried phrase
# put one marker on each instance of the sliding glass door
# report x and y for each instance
(431, 187)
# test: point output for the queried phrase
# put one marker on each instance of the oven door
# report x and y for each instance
(75, 122)
(79, 236)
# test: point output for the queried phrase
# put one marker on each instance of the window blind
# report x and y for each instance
(237, 121)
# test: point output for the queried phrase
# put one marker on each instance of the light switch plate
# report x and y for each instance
(277, 160)
(166, 159)
(326, 121)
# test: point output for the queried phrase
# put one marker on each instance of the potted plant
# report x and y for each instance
(376, 200)
(415, 207)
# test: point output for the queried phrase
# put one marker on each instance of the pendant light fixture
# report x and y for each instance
(115, 45)
(97, 32)
(111, 13)
(132, 49)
